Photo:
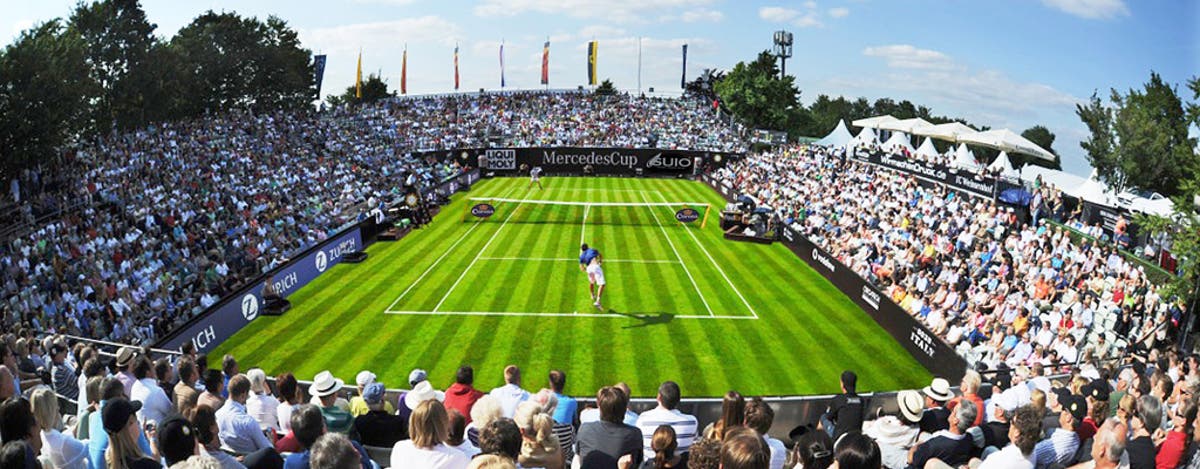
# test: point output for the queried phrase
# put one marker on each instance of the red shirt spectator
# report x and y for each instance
(461, 396)
(1171, 450)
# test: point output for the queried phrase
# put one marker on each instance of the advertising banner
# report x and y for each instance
(966, 181)
(233, 313)
(577, 160)
(929, 350)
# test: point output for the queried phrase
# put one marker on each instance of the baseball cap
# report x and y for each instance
(1096, 389)
(176, 439)
(416, 376)
(1075, 404)
(364, 378)
(373, 393)
(116, 413)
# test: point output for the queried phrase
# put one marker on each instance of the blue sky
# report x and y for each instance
(1011, 63)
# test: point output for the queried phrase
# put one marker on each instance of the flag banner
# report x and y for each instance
(404, 72)
(456, 67)
(546, 63)
(591, 63)
(683, 79)
(318, 72)
(502, 64)
(358, 78)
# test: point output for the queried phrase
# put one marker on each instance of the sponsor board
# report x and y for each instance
(483, 210)
(224, 319)
(602, 159)
(821, 259)
(788, 235)
(669, 161)
(501, 159)
(687, 215)
(870, 296)
(922, 339)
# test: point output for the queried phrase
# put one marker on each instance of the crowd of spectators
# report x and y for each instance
(991, 284)
(1138, 414)
(173, 217)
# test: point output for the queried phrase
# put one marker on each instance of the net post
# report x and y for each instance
(704, 221)
(467, 210)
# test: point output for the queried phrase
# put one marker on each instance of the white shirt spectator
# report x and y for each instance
(779, 452)
(685, 427)
(1008, 458)
(264, 408)
(510, 396)
(405, 454)
(156, 406)
(592, 414)
(284, 416)
(64, 451)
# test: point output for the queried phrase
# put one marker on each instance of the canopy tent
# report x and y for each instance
(866, 137)
(926, 149)
(1092, 190)
(874, 122)
(898, 140)
(1161, 207)
(1006, 140)
(1059, 179)
(950, 132)
(906, 125)
(838, 138)
(964, 158)
(1002, 164)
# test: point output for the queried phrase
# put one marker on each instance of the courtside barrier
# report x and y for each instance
(926, 347)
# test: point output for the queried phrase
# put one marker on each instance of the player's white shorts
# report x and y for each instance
(533, 178)
(596, 275)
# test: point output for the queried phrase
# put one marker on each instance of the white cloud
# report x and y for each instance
(382, 35)
(797, 18)
(599, 30)
(1090, 9)
(811, 5)
(839, 12)
(907, 56)
(20, 26)
(777, 14)
(702, 14)
(617, 10)
(384, 2)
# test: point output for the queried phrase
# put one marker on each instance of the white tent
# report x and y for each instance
(838, 138)
(949, 132)
(926, 149)
(866, 137)
(898, 140)
(874, 122)
(1091, 190)
(1059, 179)
(1001, 164)
(905, 125)
(964, 158)
(1006, 140)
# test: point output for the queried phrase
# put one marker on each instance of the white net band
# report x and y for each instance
(590, 204)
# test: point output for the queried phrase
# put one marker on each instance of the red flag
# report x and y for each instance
(456, 67)
(404, 72)
(546, 63)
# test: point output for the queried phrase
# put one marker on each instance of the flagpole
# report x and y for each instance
(639, 65)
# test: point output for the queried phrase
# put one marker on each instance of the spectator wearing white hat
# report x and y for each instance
(358, 406)
(936, 417)
(896, 435)
(510, 395)
(325, 389)
(415, 377)
(261, 404)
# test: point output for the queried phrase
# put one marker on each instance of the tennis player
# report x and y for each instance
(586, 256)
(596, 280)
(535, 175)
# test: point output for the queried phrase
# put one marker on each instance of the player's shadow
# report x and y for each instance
(647, 319)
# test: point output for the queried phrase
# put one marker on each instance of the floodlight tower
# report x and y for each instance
(783, 50)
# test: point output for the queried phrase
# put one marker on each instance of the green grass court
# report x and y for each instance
(682, 303)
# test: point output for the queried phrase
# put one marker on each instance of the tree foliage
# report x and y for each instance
(1044, 138)
(373, 89)
(754, 93)
(606, 88)
(1141, 140)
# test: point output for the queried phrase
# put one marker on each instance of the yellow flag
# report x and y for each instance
(358, 78)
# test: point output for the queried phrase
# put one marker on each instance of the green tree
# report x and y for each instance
(373, 89)
(118, 40)
(1044, 138)
(606, 88)
(758, 97)
(44, 87)
(1142, 140)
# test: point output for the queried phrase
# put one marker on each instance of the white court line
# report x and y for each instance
(612, 190)
(685, 268)
(436, 262)
(571, 314)
(477, 256)
(718, 266)
(558, 259)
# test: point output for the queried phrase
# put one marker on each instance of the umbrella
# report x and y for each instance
(1016, 196)
(950, 132)
(875, 122)
(1006, 140)
(906, 125)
